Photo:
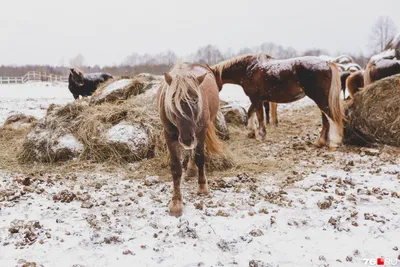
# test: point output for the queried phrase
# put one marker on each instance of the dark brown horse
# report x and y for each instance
(85, 84)
(379, 69)
(188, 104)
(355, 82)
(282, 81)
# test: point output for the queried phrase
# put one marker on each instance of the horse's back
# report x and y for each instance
(288, 80)
(97, 77)
(385, 68)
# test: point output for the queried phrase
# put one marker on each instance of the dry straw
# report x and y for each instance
(374, 114)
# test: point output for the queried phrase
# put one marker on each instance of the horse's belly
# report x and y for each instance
(285, 96)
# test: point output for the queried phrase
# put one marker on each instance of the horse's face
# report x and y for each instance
(187, 120)
(77, 77)
(187, 127)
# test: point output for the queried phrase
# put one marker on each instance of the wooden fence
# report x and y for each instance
(33, 76)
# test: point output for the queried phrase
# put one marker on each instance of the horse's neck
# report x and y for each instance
(233, 74)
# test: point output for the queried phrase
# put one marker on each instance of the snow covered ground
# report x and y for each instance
(31, 98)
(322, 209)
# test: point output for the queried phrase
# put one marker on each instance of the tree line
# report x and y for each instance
(381, 33)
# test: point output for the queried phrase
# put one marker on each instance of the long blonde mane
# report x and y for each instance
(367, 73)
(184, 87)
(220, 67)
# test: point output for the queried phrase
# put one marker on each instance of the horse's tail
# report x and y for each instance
(213, 144)
(335, 107)
(367, 73)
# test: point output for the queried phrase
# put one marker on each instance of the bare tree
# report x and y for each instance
(315, 52)
(77, 61)
(277, 51)
(382, 32)
(209, 54)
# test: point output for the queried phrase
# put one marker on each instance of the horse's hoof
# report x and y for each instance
(202, 189)
(261, 136)
(191, 173)
(251, 135)
(332, 149)
(320, 143)
(175, 208)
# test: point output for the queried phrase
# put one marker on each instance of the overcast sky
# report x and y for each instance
(105, 32)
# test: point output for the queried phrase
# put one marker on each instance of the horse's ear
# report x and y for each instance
(201, 78)
(72, 69)
(168, 78)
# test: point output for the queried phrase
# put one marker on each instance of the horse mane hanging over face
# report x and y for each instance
(182, 94)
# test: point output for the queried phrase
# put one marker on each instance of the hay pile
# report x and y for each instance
(234, 114)
(374, 114)
(113, 130)
(121, 89)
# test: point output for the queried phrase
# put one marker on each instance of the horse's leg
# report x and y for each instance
(191, 170)
(176, 205)
(274, 113)
(199, 159)
(251, 124)
(323, 138)
(266, 107)
(261, 133)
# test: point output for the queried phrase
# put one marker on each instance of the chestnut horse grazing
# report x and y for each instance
(380, 69)
(264, 78)
(355, 82)
(188, 103)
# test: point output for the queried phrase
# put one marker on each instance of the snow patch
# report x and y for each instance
(276, 66)
(120, 84)
(134, 136)
(388, 54)
(69, 141)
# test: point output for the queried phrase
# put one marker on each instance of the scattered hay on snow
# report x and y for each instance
(18, 121)
(374, 114)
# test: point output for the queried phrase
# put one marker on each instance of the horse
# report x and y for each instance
(379, 69)
(343, 77)
(85, 84)
(264, 78)
(188, 102)
(355, 82)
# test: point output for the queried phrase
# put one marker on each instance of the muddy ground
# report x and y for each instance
(286, 203)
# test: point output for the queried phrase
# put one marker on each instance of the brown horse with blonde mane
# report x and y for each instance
(188, 103)
(355, 82)
(264, 78)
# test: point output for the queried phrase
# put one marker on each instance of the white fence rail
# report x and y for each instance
(33, 76)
